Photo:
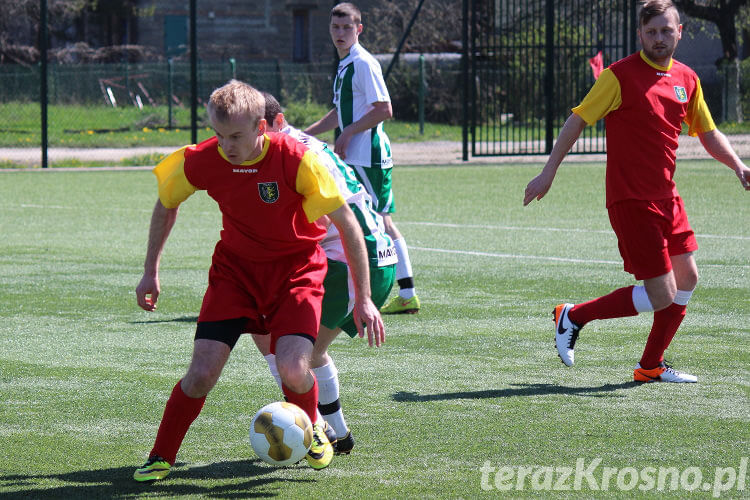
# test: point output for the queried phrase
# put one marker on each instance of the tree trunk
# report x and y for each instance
(732, 96)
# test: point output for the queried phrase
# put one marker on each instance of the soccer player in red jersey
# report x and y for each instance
(267, 269)
(644, 99)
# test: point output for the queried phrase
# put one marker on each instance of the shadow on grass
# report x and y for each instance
(183, 319)
(517, 390)
(235, 479)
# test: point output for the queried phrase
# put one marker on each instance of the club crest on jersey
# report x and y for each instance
(680, 93)
(269, 191)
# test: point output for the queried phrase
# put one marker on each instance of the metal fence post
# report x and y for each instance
(421, 94)
(549, 75)
(465, 86)
(170, 90)
(193, 74)
(43, 41)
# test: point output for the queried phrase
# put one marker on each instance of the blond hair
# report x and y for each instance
(236, 99)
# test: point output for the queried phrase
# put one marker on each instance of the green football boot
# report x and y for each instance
(399, 305)
(154, 469)
(321, 451)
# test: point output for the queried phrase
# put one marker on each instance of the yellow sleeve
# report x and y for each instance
(603, 98)
(317, 185)
(174, 187)
(698, 115)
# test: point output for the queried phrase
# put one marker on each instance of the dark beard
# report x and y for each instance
(652, 55)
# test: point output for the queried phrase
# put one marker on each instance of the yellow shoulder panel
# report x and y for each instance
(174, 187)
(603, 98)
(318, 187)
(698, 116)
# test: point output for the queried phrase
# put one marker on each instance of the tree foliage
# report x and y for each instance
(72, 26)
(727, 15)
(437, 27)
(19, 26)
(19, 19)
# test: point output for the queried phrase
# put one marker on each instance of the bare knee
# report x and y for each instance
(294, 372)
(661, 291)
(661, 301)
(209, 357)
(199, 380)
(688, 281)
(685, 272)
(293, 354)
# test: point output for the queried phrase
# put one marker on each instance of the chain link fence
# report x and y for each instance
(132, 105)
(144, 106)
(147, 105)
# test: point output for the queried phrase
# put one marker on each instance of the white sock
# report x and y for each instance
(403, 269)
(641, 301)
(328, 398)
(271, 360)
(682, 297)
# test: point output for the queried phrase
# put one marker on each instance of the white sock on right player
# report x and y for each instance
(328, 398)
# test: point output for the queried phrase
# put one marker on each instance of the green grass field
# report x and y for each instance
(101, 126)
(464, 400)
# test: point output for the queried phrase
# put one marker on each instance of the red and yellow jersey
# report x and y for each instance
(644, 106)
(269, 205)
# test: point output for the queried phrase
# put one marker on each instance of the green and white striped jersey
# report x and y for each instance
(380, 248)
(359, 83)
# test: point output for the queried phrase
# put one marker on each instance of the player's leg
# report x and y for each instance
(686, 279)
(639, 227)
(667, 320)
(407, 301)
(293, 354)
(329, 397)
(378, 183)
(671, 299)
(570, 318)
(337, 303)
(291, 310)
(293, 318)
(263, 343)
(213, 343)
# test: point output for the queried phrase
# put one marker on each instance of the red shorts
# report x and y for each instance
(280, 297)
(648, 232)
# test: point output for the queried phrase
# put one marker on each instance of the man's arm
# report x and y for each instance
(569, 134)
(329, 122)
(162, 221)
(718, 146)
(380, 112)
(353, 242)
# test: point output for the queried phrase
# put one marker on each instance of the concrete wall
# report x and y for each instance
(250, 29)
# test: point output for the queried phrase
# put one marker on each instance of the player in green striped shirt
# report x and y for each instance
(339, 295)
(362, 104)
